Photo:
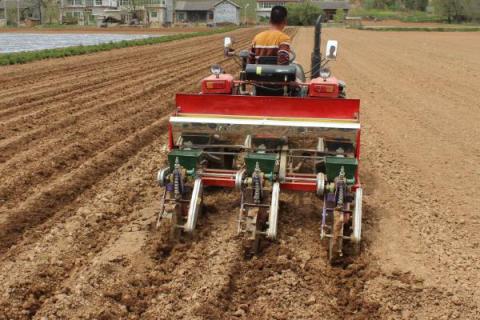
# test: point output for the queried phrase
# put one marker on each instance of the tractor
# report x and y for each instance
(262, 133)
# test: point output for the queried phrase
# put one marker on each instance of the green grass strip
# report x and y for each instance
(428, 29)
(29, 56)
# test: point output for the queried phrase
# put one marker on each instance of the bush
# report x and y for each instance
(458, 10)
(70, 20)
(303, 14)
(420, 5)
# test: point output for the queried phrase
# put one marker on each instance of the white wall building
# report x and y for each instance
(226, 11)
(264, 7)
(91, 12)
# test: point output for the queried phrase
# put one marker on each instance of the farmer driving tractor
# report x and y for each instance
(272, 43)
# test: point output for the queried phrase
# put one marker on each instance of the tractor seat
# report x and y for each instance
(267, 60)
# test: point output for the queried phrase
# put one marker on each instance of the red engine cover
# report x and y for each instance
(222, 84)
(327, 88)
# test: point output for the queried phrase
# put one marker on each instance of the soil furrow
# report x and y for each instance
(110, 75)
(76, 148)
(74, 234)
(91, 62)
(63, 191)
(84, 110)
(134, 73)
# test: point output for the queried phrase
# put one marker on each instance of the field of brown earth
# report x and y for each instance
(420, 146)
(398, 23)
(81, 140)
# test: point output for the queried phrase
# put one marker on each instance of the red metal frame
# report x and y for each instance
(357, 155)
(170, 137)
(229, 182)
(218, 182)
(299, 186)
(226, 78)
(342, 109)
(329, 108)
(331, 82)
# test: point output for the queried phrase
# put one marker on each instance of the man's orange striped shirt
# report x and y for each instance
(271, 43)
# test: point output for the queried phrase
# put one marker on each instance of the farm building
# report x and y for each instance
(85, 12)
(3, 13)
(265, 6)
(207, 11)
(153, 13)
(330, 8)
(226, 11)
(21, 11)
(194, 11)
(91, 12)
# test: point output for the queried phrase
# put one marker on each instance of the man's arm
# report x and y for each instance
(283, 56)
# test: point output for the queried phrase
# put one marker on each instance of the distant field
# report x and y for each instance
(86, 29)
(14, 42)
(426, 28)
(64, 45)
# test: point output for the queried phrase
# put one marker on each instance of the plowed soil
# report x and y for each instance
(82, 138)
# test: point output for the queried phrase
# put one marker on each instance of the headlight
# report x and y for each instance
(325, 73)
(216, 69)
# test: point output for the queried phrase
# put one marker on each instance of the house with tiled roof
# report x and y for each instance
(207, 11)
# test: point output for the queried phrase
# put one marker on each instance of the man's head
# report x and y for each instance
(278, 17)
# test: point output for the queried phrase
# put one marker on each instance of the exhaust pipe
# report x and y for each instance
(316, 54)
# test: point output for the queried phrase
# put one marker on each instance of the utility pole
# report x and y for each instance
(40, 10)
(18, 13)
(245, 18)
(61, 12)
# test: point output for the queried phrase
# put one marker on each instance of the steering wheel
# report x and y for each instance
(292, 56)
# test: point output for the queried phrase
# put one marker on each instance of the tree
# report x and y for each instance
(50, 11)
(472, 9)
(303, 14)
(419, 5)
(452, 9)
(339, 15)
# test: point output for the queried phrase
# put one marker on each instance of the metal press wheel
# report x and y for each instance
(336, 240)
